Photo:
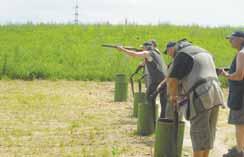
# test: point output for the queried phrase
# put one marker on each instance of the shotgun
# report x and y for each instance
(126, 47)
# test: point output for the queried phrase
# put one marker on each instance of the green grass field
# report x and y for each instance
(74, 52)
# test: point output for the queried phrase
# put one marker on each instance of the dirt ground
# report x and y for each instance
(76, 118)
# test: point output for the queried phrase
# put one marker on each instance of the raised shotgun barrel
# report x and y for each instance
(126, 47)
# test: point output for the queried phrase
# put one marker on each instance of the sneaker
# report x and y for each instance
(233, 149)
(233, 152)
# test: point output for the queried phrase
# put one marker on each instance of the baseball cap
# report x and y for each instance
(169, 44)
(147, 44)
(236, 34)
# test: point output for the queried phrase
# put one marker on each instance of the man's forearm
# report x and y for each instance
(172, 86)
(129, 52)
(141, 54)
(172, 89)
(234, 76)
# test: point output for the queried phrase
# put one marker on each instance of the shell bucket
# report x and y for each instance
(165, 143)
(121, 87)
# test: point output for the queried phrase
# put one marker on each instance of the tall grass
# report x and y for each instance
(74, 52)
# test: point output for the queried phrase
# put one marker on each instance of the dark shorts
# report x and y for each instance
(236, 117)
(203, 129)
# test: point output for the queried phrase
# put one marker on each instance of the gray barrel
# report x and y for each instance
(121, 88)
(145, 121)
(164, 142)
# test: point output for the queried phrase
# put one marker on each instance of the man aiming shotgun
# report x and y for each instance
(155, 70)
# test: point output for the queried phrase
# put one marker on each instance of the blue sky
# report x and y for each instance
(180, 12)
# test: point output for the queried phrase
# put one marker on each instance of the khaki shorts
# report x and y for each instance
(203, 129)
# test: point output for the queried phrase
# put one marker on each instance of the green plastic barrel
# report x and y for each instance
(164, 142)
(135, 104)
(146, 113)
(121, 87)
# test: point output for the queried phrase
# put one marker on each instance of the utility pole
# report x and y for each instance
(76, 21)
(126, 21)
